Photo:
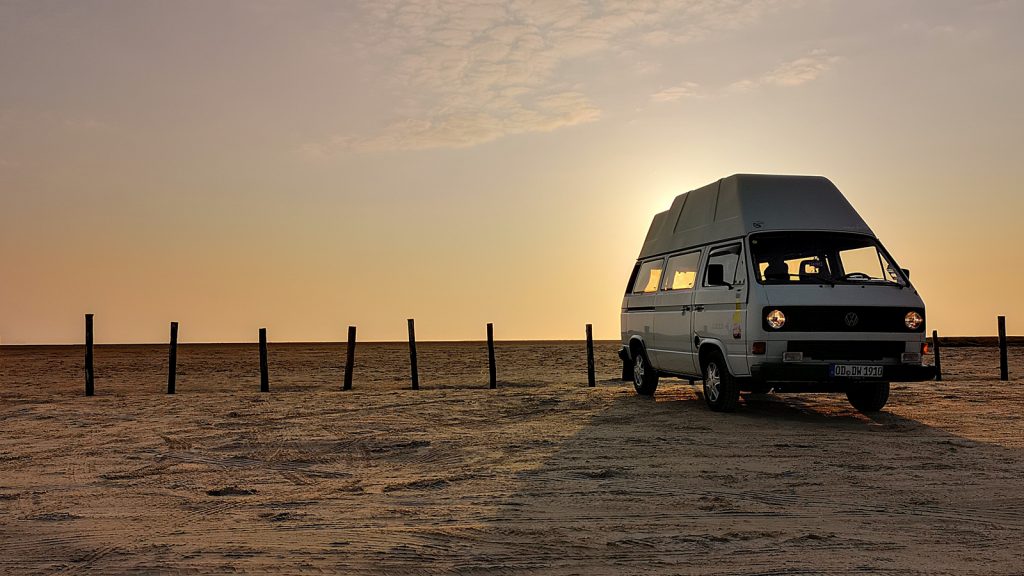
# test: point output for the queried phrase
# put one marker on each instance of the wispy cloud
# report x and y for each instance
(788, 74)
(464, 126)
(470, 72)
(927, 29)
(792, 73)
(684, 90)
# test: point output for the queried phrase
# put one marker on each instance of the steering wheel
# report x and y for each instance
(855, 276)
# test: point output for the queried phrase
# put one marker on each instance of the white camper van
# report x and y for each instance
(758, 283)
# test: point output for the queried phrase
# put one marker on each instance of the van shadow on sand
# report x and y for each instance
(786, 485)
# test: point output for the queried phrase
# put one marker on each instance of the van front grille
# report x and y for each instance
(842, 319)
(847, 349)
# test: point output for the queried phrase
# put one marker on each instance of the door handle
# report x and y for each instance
(698, 308)
(685, 309)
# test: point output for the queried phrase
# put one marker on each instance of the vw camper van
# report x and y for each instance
(758, 283)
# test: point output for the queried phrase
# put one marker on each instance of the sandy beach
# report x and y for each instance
(541, 476)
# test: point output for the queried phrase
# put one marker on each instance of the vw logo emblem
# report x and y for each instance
(851, 319)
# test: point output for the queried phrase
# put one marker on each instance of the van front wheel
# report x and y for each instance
(721, 391)
(868, 397)
(645, 377)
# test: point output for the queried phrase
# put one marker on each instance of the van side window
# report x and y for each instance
(681, 272)
(729, 258)
(648, 278)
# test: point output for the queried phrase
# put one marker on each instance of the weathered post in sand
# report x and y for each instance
(89, 382)
(938, 355)
(264, 373)
(350, 358)
(590, 357)
(1004, 371)
(490, 356)
(172, 358)
(412, 355)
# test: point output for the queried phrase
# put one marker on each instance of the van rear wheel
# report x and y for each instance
(721, 391)
(868, 397)
(645, 377)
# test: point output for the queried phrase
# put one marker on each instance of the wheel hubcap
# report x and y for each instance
(638, 371)
(712, 380)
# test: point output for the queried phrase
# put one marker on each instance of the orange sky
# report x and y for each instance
(308, 166)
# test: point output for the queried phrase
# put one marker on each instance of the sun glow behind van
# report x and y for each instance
(758, 283)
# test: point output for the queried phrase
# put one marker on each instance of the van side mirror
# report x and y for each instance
(906, 272)
(716, 275)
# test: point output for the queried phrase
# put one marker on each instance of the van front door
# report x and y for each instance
(720, 312)
(674, 314)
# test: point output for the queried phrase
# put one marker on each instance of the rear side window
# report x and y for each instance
(681, 271)
(648, 278)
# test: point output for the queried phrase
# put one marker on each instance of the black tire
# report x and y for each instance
(645, 377)
(868, 397)
(721, 391)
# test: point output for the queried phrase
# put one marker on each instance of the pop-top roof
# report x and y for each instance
(745, 203)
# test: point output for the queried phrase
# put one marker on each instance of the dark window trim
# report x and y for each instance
(632, 278)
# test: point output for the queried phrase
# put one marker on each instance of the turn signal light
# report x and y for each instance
(926, 348)
(759, 348)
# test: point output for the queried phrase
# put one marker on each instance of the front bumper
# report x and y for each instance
(770, 373)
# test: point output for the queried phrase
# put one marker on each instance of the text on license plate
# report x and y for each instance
(855, 371)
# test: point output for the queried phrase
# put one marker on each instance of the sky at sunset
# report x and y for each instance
(304, 166)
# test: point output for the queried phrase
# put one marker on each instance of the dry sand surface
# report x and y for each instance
(542, 476)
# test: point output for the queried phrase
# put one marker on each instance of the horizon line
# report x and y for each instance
(299, 342)
(1009, 338)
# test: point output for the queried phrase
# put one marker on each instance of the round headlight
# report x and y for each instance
(776, 319)
(913, 320)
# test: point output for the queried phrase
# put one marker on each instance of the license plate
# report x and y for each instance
(854, 371)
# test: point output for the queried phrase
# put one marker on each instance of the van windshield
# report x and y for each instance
(822, 257)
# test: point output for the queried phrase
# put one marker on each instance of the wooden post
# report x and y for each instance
(90, 388)
(350, 358)
(590, 357)
(172, 358)
(412, 355)
(264, 375)
(1004, 372)
(490, 356)
(938, 355)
